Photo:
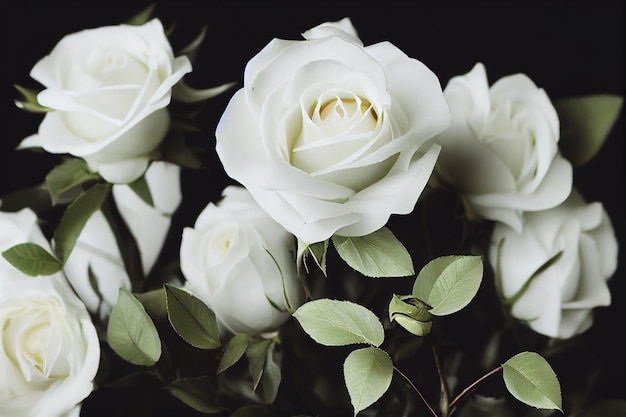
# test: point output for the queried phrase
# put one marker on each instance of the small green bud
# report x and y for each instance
(410, 313)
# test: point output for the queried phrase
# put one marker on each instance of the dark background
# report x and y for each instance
(568, 48)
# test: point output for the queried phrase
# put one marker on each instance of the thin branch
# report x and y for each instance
(444, 401)
(434, 413)
(467, 390)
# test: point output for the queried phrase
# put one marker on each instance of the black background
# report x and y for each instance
(568, 48)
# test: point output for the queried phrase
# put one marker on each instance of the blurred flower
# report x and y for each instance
(555, 271)
(49, 348)
(108, 88)
(327, 134)
(501, 152)
(241, 263)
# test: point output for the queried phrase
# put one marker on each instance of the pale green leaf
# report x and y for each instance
(191, 318)
(379, 254)
(196, 392)
(267, 388)
(76, 215)
(29, 101)
(318, 253)
(530, 379)
(339, 323)
(69, 174)
(142, 17)
(140, 187)
(585, 124)
(233, 351)
(367, 373)
(448, 283)
(131, 333)
(257, 355)
(32, 259)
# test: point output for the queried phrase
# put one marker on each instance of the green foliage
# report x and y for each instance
(131, 333)
(191, 318)
(585, 124)
(174, 149)
(76, 215)
(368, 373)
(410, 313)
(69, 174)
(263, 369)
(252, 411)
(318, 252)
(339, 323)
(449, 283)
(379, 254)
(195, 392)
(142, 17)
(530, 379)
(32, 259)
(233, 351)
(29, 100)
(140, 187)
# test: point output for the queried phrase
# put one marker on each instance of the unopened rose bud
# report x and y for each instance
(410, 313)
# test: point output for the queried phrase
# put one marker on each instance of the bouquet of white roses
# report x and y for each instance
(335, 228)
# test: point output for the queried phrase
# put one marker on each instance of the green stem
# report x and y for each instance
(434, 413)
(467, 390)
(444, 400)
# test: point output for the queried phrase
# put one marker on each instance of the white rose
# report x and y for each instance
(557, 302)
(109, 88)
(327, 134)
(49, 348)
(501, 152)
(96, 250)
(241, 263)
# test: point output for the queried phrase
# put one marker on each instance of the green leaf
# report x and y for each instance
(196, 393)
(69, 174)
(252, 411)
(449, 283)
(585, 124)
(174, 150)
(76, 215)
(257, 355)
(140, 187)
(368, 374)
(142, 17)
(234, 350)
(379, 254)
(339, 323)
(191, 318)
(267, 388)
(29, 101)
(606, 408)
(154, 302)
(32, 259)
(318, 252)
(131, 332)
(530, 379)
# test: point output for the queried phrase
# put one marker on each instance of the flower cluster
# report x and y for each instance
(299, 290)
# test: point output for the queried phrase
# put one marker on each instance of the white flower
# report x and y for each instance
(109, 88)
(96, 251)
(327, 134)
(241, 263)
(558, 301)
(501, 152)
(49, 348)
